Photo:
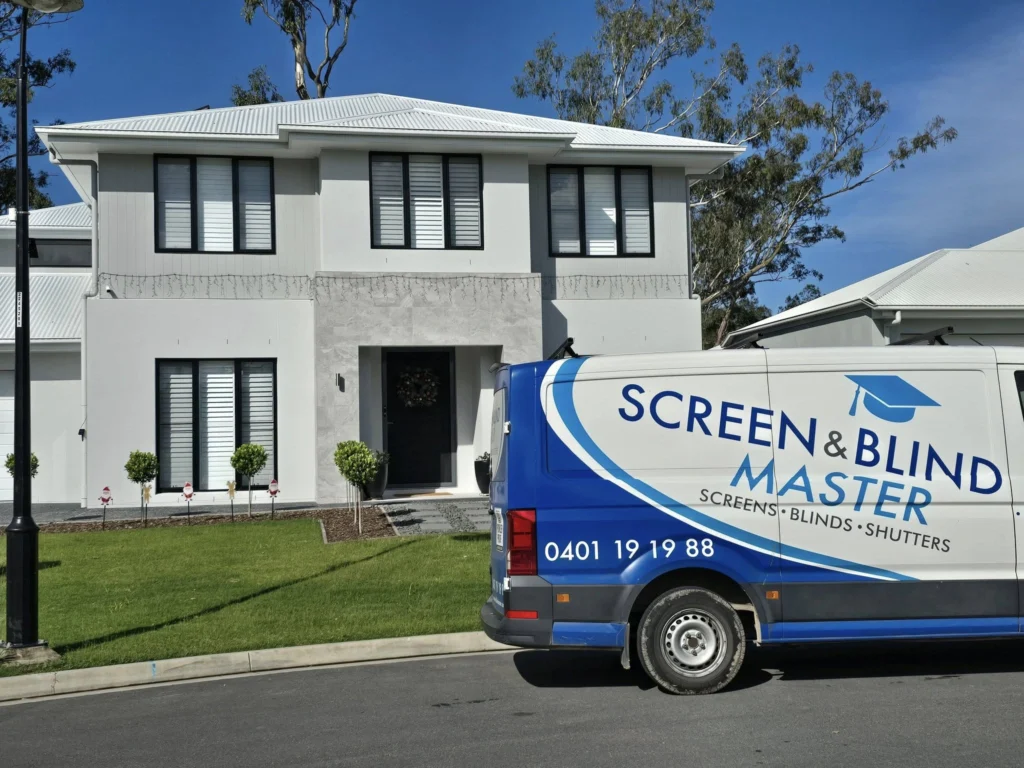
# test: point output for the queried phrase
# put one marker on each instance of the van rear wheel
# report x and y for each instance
(691, 641)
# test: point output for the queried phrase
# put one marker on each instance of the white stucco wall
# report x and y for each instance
(56, 418)
(345, 217)
(126, 337)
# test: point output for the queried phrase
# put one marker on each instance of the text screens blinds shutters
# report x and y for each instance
(599, 214)
(464, 202)
(215, 204)
(174, 203)
(257, 417)
(565, 211)
(216, 423)
(636, 210)
(426, 201)
(254, 205)
(388, 201)
(175, 416)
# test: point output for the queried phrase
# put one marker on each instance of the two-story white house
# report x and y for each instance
(303, 273)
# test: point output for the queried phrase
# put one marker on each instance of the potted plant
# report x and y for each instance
(482, 465)
(374, 489)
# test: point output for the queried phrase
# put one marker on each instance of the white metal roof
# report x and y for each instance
(377, 112)
(984, 278)
(56, 305)
(73, 216)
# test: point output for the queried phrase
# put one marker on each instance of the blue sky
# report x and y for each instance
(964, 61)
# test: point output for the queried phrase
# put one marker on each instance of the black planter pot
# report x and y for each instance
(483, 475)
(375, 489)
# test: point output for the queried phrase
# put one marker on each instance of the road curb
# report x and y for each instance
(141, 673)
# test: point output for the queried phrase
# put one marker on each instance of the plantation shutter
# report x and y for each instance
(215, 205)
(599, 211)
(464, 201)
(216, 424)
(254, 205)
(426, 201)
(256, 418)
(388, 201)
(174, 415)
(636, 210)
(174, 203)
(565, 210)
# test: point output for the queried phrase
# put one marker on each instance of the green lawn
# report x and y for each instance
(115, 597)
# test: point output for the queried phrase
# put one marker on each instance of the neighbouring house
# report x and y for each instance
(975, 291)
(59, 258)
(303, 273)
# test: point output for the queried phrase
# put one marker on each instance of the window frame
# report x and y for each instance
(581, 192)
(194, 195)
(445, 200)
(195, 361)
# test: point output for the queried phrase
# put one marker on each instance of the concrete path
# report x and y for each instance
(950, 705)
(439, 516)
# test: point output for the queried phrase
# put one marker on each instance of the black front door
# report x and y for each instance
(418, 416)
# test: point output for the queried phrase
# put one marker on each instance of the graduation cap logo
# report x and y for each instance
(888, 397)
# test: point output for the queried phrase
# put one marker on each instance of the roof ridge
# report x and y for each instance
(879, 293)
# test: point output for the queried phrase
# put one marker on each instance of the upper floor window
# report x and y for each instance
(426, 201)
(600, 211)
(214, 204)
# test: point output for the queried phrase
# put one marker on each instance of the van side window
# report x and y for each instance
(1019, 377)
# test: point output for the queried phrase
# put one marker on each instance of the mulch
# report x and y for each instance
(338, 523)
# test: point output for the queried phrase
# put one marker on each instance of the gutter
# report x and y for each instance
(736, 339)
(91, 291)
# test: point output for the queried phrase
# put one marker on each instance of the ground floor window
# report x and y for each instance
(206, 409)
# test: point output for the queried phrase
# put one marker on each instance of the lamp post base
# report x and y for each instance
(27, 655)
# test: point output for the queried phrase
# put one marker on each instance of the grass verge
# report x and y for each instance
(122, 596)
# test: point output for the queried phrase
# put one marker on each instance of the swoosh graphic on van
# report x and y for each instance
(566, 424)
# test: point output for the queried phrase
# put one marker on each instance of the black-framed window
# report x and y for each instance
(600, 211)
(205, 409)
(430, 202)
(208, 204)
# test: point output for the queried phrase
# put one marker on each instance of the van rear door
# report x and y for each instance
(499, 489)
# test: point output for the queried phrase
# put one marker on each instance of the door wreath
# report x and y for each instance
(418, 387)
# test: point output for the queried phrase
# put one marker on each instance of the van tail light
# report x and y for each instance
(522, 542)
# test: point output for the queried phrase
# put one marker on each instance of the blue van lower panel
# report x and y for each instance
(890, 629)
(588, 634)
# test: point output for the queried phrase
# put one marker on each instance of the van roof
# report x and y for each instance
(884, 357)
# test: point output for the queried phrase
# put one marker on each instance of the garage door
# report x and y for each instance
(6, 431)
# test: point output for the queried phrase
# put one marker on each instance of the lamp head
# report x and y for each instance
(51, 6)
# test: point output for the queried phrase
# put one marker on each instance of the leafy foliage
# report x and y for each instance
(142, 467)
(249, 459)
(33, 465)
(41, 74)
(357, 463)
(293, 18)
(261, 90)
(809, 292)
(754, 223)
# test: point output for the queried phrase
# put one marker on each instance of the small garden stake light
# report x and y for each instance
(105, 499)
(273, 489)
(186, 491)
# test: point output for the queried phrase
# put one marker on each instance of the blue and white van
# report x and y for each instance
(681, 505)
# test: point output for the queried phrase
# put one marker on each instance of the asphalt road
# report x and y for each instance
(923, 705)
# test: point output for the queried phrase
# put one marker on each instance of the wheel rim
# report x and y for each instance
(694, 643)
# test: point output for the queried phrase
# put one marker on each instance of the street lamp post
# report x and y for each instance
(23, 533)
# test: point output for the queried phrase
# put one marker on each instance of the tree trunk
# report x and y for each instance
(300, 76)
(250, 496)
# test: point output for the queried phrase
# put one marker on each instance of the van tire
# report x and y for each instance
(700, 624)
